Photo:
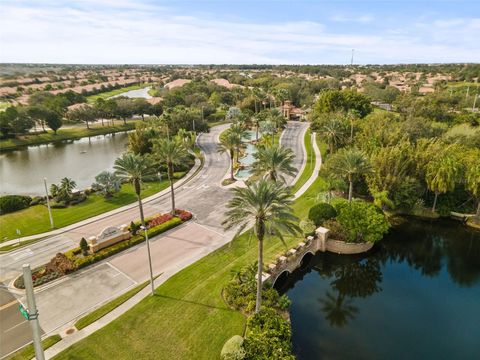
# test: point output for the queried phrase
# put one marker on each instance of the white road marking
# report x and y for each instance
(13, 327)
(21, 254)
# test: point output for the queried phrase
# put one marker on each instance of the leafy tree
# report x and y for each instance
(363, 222)
(266, 205)
(135, 169)
(349, 164)
(107, 183)
(273, 162)
(170, 152)
(7, 118)
(442, 174)
(84, 246)
(346, 100)
(53, 121)
(472, 177)
(85, 114)
(125, 108)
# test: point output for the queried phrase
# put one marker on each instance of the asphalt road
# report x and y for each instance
(292, 138)
(203, 196)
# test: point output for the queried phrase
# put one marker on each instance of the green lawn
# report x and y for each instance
(105, 95)
(310, 164)
(105, 309)
(64, 134)
(28, 352)
(34, 220)
(187, 319)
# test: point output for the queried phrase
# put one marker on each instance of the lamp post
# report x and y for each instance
(144, 228)
(32, 312)
(48, 203)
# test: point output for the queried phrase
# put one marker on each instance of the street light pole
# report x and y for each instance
(144, 228)
(48, 203)
(33, 312)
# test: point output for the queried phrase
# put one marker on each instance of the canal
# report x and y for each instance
(416, 295)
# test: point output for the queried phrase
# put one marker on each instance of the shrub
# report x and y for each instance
(233, 349)
(37, 200)
(308, 227)
(184, 215)
(78, 199)
(363, 221)
(61, 264)
(339, 204)
(58, 205)
(11, 203)
(160, 220)
(268, 336)
(84, 246)
(134, 227)
(163, 227)
(320, 212)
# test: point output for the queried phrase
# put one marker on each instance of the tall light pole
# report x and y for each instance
(144, 228)
(48, 203)
(32, 312)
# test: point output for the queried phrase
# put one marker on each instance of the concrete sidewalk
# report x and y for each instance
(182, 263)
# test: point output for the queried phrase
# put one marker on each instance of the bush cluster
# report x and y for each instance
(320, 212)
(11, 203)
(159, 220)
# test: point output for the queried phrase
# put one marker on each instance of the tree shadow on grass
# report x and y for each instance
(194, 302)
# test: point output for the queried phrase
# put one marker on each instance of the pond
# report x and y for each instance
(416, 295)
(139, 93)
(22, 171)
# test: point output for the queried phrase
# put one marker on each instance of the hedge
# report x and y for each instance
(320, 212)
(11, 203)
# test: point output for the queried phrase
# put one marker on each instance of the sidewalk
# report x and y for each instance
(69, 340)
(90, 220)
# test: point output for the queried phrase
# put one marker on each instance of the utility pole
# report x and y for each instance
(351, 61)
(32, 312)
(48, 203)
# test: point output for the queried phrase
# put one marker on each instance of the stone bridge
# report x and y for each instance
(300, 255)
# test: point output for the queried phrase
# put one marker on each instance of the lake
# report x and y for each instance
(22, 171)
(416, 295)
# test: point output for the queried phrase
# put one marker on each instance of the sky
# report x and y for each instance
(239, 32)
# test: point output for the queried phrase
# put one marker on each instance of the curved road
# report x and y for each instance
(65, 300)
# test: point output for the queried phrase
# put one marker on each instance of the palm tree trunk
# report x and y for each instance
(350, 190)
(351, 131)
(478, 210)
(260, 233)
(172, 194)
(256, 128)
(231, 165)
(435, 201)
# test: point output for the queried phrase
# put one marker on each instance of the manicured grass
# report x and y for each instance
(64, 134)
(105, 95)
(187, 319)
(35, 220)
(310, 164)
(28, 352)
(105, 309)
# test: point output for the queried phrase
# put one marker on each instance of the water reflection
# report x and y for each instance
(422, 274)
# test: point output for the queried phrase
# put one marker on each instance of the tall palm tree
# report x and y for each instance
(239, 130)
(266, 206)
(66, 187)
(349, 164)
(170, 152)
(229, 142)
(274, 161)
(135, 169)
(334, 132)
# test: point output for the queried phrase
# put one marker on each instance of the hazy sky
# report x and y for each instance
(239, 32)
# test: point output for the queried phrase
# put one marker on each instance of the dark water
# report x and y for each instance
(22, 171)
(415, 296)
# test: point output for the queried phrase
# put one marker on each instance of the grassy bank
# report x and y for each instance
(105, 95)
(188, 310)
(34, 220)
(72, 133)
(28, 352)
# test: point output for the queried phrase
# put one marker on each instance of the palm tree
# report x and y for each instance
(135, 169)
(229, 142)
(349, 164)
(442, 174)
(170, 152)
(65, 189)
(274, 161)
(267, 206)
(352, 116)
(334, 132)
(238, 130)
